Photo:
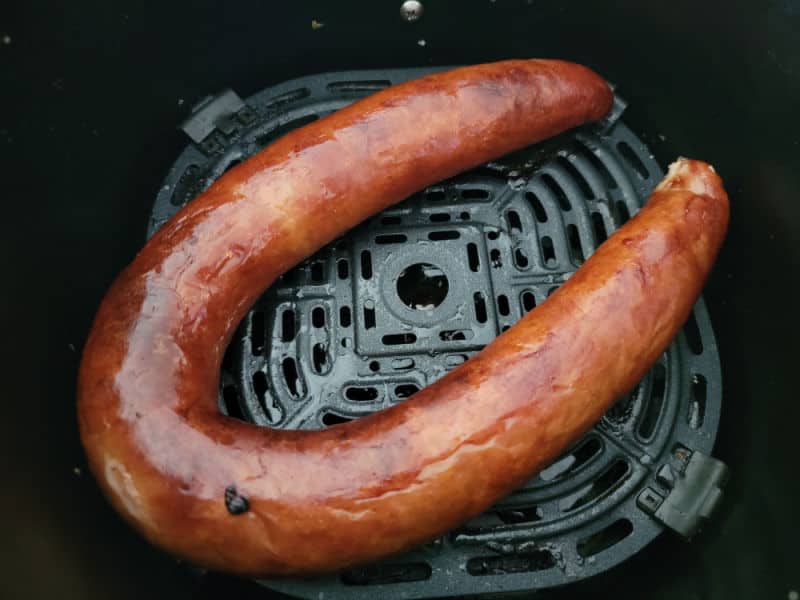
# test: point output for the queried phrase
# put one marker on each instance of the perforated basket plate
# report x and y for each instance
(416, 291)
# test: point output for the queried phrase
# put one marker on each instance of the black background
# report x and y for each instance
(90, 97)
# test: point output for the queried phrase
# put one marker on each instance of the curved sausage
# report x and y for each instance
(241, 498)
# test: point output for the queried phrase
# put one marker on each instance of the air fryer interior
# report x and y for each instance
(93, 97)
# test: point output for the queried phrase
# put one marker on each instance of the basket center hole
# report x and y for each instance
(422, 286)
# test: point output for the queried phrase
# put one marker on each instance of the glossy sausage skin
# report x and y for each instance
(236, 497)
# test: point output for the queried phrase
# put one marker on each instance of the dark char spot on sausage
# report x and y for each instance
(235, 502)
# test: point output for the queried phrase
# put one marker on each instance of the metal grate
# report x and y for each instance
(415, 291)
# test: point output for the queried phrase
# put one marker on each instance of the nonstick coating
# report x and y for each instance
(91, 93)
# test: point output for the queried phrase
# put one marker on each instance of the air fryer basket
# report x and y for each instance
(416, 290)
(93, 96)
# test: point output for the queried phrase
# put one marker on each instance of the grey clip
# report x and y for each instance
(215, 119)
(617, 108)
(696, 483)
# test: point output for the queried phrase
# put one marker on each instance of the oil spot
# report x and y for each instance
(235, 502)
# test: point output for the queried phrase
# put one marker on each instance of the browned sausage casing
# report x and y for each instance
(322, 500)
